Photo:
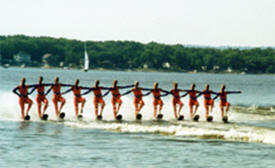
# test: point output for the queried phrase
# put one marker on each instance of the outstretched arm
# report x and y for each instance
(105, 88)
(67, 91)
(15, 91)
(165, 93)
(184, 94)
(84, 88)
(234, 92)
(146, 94)
(106, 93)
(146, 89)
(33, 89)
(216, 93)
(66, 85)
(48, 91)
(200, 93)
(128, 92)
(125, 87)
(216, 96)
(87, 92)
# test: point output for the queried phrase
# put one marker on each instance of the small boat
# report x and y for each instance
(86, 60)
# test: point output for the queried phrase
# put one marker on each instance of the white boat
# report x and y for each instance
(86, 60)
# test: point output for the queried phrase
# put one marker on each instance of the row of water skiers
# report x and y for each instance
(24, 90)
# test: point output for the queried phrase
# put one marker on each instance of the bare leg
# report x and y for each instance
(62, 104)
(191, 111)
(119, 105)
(181, 105)
(155, 111)
(222, 111)
(160, 108)
(39, 108)
(207, 111)
(175, 110)
(102, 107)
(82, 106)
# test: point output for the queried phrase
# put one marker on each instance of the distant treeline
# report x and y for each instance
(134, 55)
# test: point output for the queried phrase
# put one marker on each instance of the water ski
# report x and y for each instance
(210, 118)
(44, 117)
(138, 116)
(119, 117)
(181, 117)
(196, 117)
(99, 117)
(62, 115)
(79, 116)
(159, 116)
(225, 119)
(27, 117)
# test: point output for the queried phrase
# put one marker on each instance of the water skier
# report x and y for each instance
(156, 92)
(76, 89)
(138, 101)
(116, 97)
(41, 97)
(176, 100)
(57, 97)
(193, 94)
(98, 98)
(223, 99)
(23, 98)
(208, 101)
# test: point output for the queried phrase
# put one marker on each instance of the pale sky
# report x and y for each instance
(191, 22)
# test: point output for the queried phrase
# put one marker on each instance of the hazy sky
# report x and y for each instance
(197, 22)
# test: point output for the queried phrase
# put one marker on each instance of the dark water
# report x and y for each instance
(249, 141)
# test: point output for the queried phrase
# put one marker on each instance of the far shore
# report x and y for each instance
(145, 70)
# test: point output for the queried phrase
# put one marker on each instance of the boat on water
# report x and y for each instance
(86, 60)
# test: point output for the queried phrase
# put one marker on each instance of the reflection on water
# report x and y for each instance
(24, 125)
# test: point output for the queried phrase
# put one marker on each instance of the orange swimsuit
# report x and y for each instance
(176, 97)
(23, 99)
(193, 98)
(116, 96)
(77, 95)
(98, 96)
(41, 96)
(207, 98)
(157, 100)
(223, 97)
(56, 94)
(138, 96)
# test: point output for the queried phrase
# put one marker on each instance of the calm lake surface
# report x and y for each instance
(247, 141)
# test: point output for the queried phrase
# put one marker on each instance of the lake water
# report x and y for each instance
(248, 141)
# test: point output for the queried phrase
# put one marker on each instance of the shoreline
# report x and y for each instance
(143, 70)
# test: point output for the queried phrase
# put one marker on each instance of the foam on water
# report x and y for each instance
(9, 110)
